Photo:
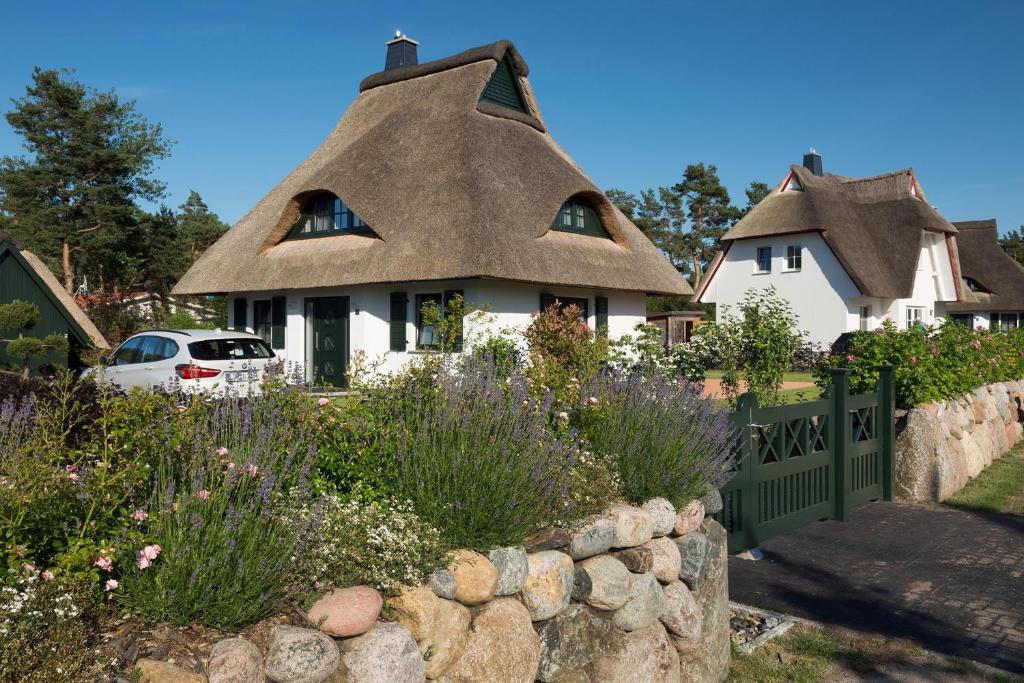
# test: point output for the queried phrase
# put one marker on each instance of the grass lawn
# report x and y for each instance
(787, 377)
(1000, 488)
(807, 654)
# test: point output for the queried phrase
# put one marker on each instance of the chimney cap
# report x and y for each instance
(812, 162)
(401, 37)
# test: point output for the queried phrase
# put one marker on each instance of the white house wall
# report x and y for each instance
(820, 293)
(508, 308)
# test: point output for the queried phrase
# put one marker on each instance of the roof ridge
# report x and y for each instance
(849, 180)
(496, 51)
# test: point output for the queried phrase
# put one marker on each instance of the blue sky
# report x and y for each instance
(633, 90)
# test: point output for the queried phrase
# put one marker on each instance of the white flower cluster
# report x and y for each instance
(19, 602)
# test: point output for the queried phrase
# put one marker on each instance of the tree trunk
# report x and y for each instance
(698, 275)
(69, 275)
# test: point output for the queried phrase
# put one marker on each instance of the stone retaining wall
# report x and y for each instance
(637, 595)
(942, 446)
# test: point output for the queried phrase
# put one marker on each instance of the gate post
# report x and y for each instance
(886, 392)
(744, 418)
(840, 436)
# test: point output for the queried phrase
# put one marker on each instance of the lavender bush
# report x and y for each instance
(476, 458)
(218, 544)
(666, 439)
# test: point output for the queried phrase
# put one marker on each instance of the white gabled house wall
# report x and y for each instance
(509, 306)
(824, 298)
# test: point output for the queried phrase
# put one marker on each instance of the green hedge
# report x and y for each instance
(932, 364)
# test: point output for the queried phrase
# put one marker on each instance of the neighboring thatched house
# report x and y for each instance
(846, 252)
(24, 277)
(994, 278)
(440, 178)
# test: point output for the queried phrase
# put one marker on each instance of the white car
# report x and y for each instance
(220, 361)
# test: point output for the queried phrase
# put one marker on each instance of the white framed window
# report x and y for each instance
(794, 257)
(764, 260)
(865, 318)
(1004, 322)
(915, 316)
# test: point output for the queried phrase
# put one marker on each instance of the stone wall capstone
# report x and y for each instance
(942, 446)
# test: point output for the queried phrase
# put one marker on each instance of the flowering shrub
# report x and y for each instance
(379, 543)
(693, 359)
(931, 364)
(664, 437)
(562, 350)
(44, 630)
(476, 457)
(218, 549)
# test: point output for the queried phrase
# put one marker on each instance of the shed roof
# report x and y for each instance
(453, 187)
(874, 225)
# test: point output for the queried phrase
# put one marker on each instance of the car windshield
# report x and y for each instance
(229, 349)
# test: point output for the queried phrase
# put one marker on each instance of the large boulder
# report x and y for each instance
(550, 538)
(438, 626)
(513, 567)
(633, 526)
(644, 606)
(602, 582)
(593, 536)
(476, 579)
(647, 656)
(549, 584)
(638, 560)
(415, 608)
(573, 639)
(663, 515)
(235, 660)
(442, 583)
(693, 558)
(501, 646)
(385, 654)
(300, 655)
(666, 561)
(708, 658)
(346, 612)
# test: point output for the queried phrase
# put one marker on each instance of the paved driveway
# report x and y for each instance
(951, 580)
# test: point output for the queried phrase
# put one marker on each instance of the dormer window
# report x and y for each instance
(975, 286)
(503, 88)
(325, 214)
(579, 216)
(792, 184)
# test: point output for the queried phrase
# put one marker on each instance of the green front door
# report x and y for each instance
(327, 339)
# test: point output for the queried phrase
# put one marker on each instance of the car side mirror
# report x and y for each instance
(104, 360)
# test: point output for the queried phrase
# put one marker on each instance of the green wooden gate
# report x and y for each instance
(809, 461)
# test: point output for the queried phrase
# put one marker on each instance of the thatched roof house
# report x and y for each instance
(440, 172)
(23, 276)
(994, 278)
(850, 251)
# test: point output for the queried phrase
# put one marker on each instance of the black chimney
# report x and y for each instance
(812, 160)
(401, 52)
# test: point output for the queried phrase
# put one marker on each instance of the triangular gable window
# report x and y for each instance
(792, 184)
(913, 188)
(503, 88)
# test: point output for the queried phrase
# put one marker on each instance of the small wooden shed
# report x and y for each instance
(23, 276)
(676, 326)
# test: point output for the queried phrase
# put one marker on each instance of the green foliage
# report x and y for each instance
(563, 351)
(379, 543)
(644, 353)
(72, 198)
(932, 364)
(757, 345)
(20, 316)
(447, 323)
(46, 628)
(693, 359)
(355, 440)
(1013, 243)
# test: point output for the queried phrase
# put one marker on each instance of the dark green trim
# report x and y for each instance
(350, 228)
(569, 214)
(399, 319)
(262, 320)
(73, 327)
(278, 322)
(503, 88)
(241, 317)
(601, 315)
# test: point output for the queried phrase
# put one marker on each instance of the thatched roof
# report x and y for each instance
(452, 188)
(79, 324)
(985, 262)
(873, 225)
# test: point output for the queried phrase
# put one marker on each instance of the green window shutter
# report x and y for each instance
(601, 315)
(503, 88)
(399, 317)
(241, 314)
(449, 294)
(278, 322)
(546, 301)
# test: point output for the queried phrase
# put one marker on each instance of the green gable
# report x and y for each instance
(503, 88)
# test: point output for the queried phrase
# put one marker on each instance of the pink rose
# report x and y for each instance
(222, 451)
(251, 469)
(850, 358)
(151, 551)
(323, 402)
(110, 585)
(104, 563)
(29, 567)
(47, 575)
(140, 515)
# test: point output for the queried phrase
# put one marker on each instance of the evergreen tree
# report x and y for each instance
(198, 227)
(709, 212)
(755, 193)
(71, 199)
(1013, 243)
